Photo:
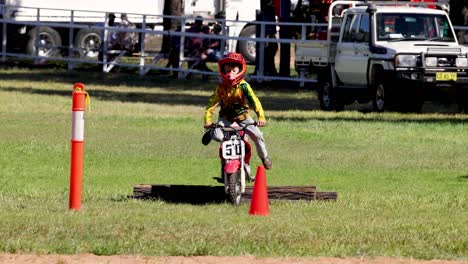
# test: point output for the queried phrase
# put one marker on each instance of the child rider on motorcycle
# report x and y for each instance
(236, 98)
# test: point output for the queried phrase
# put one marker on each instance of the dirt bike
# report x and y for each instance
(235, 152)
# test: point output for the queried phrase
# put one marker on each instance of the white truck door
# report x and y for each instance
(346, 59)
(361, 47)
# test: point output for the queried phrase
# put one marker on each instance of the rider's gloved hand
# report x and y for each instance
(208, 125)
(261, 123)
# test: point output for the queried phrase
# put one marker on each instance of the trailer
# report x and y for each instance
(36, 22)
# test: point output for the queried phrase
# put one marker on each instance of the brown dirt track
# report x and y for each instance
(89, 258)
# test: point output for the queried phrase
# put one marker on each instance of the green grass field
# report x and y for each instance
(402, 179)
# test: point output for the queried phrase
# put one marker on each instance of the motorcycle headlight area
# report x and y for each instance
(405, 60)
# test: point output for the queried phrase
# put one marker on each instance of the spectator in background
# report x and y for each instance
(203, 52)
(206, 49)
(465, 21)
(111, 38)
(270, 47)
(174, 56)
(192, 44)
(465, 12)
(172, 8)
(119, 40)
(212, 46)
(127, 40)
(198, 52)
(459, 15)
(111, 23)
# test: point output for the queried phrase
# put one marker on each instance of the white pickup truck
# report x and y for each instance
(395, 54)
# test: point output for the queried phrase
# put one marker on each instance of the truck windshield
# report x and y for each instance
(407, 26)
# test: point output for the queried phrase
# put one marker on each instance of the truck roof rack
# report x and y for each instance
(439, 5)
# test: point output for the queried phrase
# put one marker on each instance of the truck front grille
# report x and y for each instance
(446, 61)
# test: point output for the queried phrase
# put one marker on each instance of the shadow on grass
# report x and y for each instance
(450, 119)
(159, 80)
(275, 102)
(206, 194)
(193, 199)
(91, 78)
(92, 74)
(270, 103)
(111, 79)
(185, 194)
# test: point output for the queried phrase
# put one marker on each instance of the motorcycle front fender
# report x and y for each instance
(232, 166)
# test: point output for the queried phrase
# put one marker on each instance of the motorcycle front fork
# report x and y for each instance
(247, 176)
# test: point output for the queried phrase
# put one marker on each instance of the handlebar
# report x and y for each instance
(230, 128)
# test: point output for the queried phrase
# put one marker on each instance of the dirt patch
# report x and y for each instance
(89, 258)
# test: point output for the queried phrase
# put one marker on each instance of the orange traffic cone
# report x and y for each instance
(259, 202)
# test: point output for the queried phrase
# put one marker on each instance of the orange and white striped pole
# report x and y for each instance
(79, 101)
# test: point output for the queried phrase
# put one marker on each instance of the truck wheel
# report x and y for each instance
(248, 48)
(327, 97)
(49, 42)
(89, 42)
(378, 98)
(462, 101)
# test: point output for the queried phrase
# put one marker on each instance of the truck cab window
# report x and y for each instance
(401, 26)
(350, 27)
(443, 28)
(362, 35)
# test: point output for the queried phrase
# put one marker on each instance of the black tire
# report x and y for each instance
(89, 41)
(49, 39)
(379, 96)
(462, 100)
(328, 95)
(248, 48)
(324, 96)
(234, 188)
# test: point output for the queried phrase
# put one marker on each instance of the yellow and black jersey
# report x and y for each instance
(235, 102)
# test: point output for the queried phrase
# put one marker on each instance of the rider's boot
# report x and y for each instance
(267, 163)
(206, 139)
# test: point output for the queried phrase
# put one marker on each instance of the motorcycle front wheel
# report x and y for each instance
(234, 188)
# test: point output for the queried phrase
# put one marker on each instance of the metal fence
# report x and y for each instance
(149, 27)
(145, 60)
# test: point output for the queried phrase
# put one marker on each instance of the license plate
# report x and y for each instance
(446, 76)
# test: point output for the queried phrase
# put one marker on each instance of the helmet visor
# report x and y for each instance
(231, 67)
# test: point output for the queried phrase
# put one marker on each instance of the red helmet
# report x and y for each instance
(236, 59)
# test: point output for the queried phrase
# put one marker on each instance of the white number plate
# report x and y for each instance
(233, 149)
